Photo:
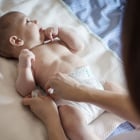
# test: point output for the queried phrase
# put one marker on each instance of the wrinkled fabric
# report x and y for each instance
(104, 17)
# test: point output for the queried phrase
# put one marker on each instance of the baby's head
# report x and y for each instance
(18, 32)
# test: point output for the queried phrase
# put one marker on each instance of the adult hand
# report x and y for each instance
(67, 88)
(42, 106)
(64, 87)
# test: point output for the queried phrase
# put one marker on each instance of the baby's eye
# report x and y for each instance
(28, 21)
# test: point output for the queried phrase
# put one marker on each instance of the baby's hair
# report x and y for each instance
(5, 26)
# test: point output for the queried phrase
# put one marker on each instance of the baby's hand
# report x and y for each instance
(51, 33)
(26, 58)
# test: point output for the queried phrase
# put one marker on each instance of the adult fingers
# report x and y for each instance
(53, 80)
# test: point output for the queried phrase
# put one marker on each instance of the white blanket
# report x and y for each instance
(16, 121)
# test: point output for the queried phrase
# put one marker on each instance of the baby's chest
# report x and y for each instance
(46, 65)
(43, 71)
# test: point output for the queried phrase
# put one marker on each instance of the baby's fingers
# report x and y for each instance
(30, 100)
(51, 36)
(27, 101)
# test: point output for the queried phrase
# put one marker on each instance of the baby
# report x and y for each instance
(42, 53)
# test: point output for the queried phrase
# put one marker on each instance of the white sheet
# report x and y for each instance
(16, 122)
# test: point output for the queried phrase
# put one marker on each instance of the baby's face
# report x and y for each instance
(28, 30)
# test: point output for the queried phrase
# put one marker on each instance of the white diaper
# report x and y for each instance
(85, 76)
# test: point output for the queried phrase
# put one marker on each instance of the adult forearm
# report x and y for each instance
(115, 102)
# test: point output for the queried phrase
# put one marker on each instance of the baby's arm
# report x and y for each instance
(71, 38)
(25, 82)
(68, 35)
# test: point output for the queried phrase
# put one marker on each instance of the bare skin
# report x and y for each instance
(41, 52)
(27, 44)
(52, 58)
(113, 99)
(49, 115)
(44, 114)
(48, 59)
(38, 61)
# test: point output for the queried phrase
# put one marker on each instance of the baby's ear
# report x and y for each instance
(15, 41)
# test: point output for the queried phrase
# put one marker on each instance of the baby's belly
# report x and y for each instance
(45, 72)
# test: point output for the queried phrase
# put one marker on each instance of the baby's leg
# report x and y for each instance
(74, 124)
